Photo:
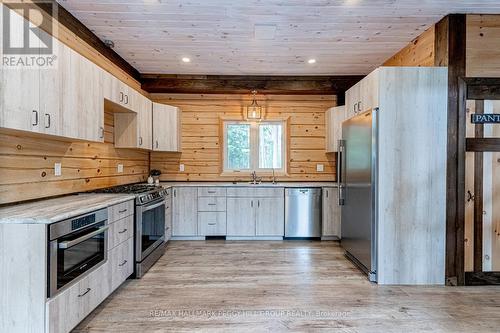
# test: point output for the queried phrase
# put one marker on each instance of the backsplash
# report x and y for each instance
(27, 165)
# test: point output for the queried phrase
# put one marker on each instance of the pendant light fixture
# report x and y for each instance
(254, 110)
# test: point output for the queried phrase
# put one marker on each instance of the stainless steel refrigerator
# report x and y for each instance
(358, 190)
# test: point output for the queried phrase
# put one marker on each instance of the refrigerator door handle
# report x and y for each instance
(340, 178)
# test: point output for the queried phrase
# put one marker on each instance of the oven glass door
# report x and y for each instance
(79, 252)
(152, 227)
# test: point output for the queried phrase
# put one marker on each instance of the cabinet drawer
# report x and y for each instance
(211, 204)
(211, 192)
(68, 308)
(255, 192)
(120, 231)
(120, 211)
(121, 263)
(212, 223)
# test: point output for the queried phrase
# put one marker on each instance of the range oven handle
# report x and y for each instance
(146, 208)
(68, 244)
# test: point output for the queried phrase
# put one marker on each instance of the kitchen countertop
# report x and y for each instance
(58, 209)
(246, 184)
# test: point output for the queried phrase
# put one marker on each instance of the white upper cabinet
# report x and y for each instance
(363, 96)
(166, 128)
(81, 98)
(134, 129)
(118, 92)
(334, 118)
(20, 89)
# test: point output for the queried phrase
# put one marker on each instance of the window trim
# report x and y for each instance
(254, 148)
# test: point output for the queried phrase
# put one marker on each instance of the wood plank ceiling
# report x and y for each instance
(256, 37)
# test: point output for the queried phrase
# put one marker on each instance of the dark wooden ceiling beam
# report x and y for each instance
(235, 84)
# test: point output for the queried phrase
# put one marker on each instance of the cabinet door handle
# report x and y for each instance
(121, 96)
(174, 193)
(123, 231)
(258, 203)
(359, 106)
(47, 117)
(140, 141)
(252, 203)
(101, 132)
(156, 143)
(326, 193)
(85, 293)
(36, 118)
(123, 263)
(126, 99)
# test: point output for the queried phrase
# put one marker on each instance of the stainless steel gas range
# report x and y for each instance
(149, 223)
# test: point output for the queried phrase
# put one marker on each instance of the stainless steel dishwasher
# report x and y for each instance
(302, 212)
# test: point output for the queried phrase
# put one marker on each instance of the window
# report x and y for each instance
(254, 146)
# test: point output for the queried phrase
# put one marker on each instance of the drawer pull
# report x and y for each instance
(212, 204)
(123, 231)
(122, 211)
(212, 192)
(85, 293)
(212, 224)
(123, 263)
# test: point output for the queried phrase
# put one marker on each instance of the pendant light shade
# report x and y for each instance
(254, 110)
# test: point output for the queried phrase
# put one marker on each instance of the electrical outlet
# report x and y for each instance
(57, 169)
(181, 167)
(119, 168)
(320, 167)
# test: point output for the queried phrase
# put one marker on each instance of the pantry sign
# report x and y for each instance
(485, 118)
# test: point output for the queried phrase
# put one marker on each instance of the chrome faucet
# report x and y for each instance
(274, 177)
(255, 180)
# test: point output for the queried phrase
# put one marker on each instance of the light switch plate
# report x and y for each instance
(181, 167)
(320, 167)
(119, 168)
(57, 169)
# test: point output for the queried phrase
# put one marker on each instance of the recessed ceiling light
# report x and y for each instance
(186, 59)
(311, 61)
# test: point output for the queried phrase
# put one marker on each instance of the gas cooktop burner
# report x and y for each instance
(134, 189)
(144, 193)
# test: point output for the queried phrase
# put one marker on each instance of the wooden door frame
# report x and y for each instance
(478, 89)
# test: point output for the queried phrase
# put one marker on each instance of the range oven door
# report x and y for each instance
(150, 228)
(72, 255)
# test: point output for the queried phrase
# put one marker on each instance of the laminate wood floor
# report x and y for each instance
(218, 286)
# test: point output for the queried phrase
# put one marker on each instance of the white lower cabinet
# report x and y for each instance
(270, 217)
(212, 223)
(255, 212)
(185, 211)
(121, 263)
(240, 217)
(71, 306)
(331, 214)
(168, 214)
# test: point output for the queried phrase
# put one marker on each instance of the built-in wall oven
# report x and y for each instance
(76, 246)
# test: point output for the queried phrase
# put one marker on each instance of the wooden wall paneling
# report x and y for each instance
(202, 151)
(27, 165)
(420, 52)
(483, 52)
